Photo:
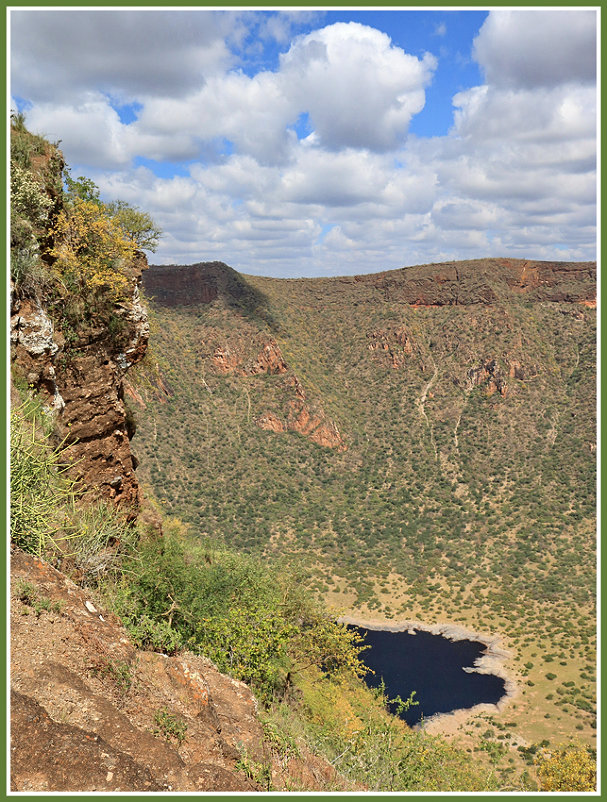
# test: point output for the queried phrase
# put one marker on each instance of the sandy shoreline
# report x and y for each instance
(491, 662)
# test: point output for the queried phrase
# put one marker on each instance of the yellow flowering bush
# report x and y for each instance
(91, 250)
(570, 768)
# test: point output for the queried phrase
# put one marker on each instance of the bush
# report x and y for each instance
(29, 198)
(90, 252)
(252, 620)
(169, 725)
(155, 635)
(570, 768)
(40, 488)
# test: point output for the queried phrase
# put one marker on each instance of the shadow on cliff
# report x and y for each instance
(205, 282)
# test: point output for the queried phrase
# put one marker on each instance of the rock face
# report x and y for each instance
(177, 287)
(201, 283)
(87, 708)
(268, 360)
(484, 282)
(34, 348)
(490, 375)
(396, 344)
(83, 386)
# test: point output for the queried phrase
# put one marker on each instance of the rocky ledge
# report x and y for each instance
(81, 383)
(90, 712)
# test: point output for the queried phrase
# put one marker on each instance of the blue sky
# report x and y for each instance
(326, 142)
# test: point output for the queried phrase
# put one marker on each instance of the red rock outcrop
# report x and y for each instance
(396, 344)
(490, 375)
(84, 706)
(268, 360)
(83, 388)
(270, 422)
(303, 419)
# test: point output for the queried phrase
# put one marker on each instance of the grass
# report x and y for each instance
(29, 594)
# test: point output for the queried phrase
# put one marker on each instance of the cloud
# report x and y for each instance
(92, 134)
(321, 75)
(125, 53)
(356, 193)
(358, 89)
(281, 26)
(252, 113)
(331, 75)
(537, 48)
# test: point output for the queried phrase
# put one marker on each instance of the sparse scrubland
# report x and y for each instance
(462, 488)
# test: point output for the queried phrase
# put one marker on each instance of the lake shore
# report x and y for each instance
(491, 662)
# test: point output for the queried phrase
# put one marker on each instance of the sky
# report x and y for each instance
(326, 142)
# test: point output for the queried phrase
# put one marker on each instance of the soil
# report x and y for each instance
(90, 712)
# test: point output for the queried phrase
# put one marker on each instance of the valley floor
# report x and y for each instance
(524, 718)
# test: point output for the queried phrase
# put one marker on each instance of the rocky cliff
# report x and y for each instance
(89, 711)
(485, 281)
(81, 384)
(480, 281)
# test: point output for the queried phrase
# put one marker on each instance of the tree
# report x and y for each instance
(90, 251)
(136, 224)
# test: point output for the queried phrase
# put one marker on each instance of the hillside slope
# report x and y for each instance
(423, 439)
(91, 712)
(357, 433)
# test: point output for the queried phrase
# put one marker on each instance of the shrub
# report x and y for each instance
(28, 593)
(251, 620)
(40, 488)
(90, 252)
(155, 635)
(570, 768)
(29, 198)
(169, 725)
(118, 671)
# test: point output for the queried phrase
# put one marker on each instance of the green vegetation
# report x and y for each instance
(28, 593)
(170, 726)
(66, 244)
(40, 488)
(257, 621)
(451, 501)
(119, 672)
(252, 621)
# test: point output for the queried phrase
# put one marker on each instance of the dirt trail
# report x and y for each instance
(421, 402)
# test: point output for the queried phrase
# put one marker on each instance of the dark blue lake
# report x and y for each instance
(432, 666)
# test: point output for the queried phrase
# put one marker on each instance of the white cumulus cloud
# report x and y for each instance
(537, 47)
(358, 89)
